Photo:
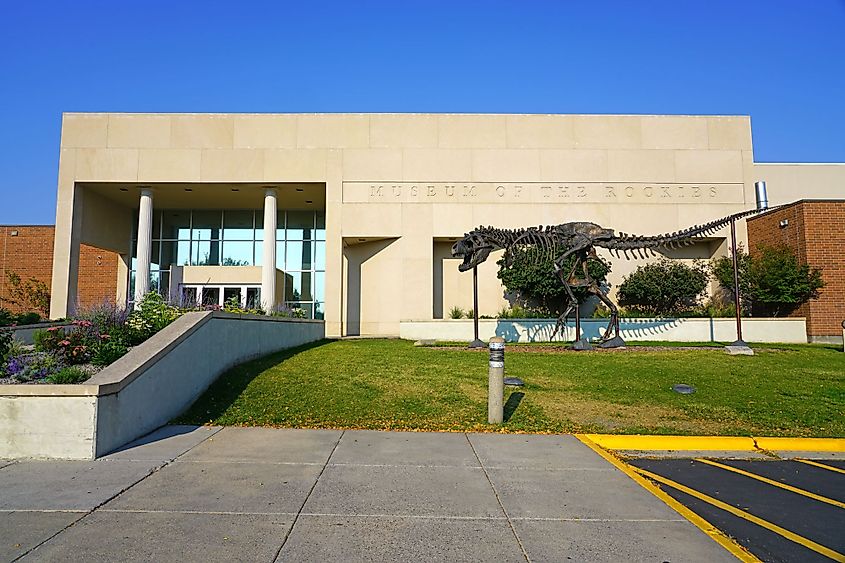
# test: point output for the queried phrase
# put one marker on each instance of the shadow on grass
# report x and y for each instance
(512, 403)
(226, 389)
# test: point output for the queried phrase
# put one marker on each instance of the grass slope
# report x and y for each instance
(787, 390)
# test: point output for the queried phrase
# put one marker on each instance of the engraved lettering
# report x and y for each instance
(546, 191)
(469, 191)
(649, 191)
(712, 191)
(680, 191)
(432, 191)
(582, 191)
(696, 191)
(376, 191)
(629, 191)
(397, 191)
(563, 191)
(610, 192)
(517, 190)
(414, 191)
(500, 191)
(665, 192)
(450, 191)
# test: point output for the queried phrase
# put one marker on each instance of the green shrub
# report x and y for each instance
(6, 338)
(108, 351)
(28, 318)
(456, 313)
(664, 288)
(151, 315)
(530, 274)
(771, 281)
(517, 311)
(69, 375)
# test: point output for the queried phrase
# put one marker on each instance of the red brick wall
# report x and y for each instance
(30, 255)
(816, 233)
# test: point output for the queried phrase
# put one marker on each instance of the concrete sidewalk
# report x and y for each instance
(258, 494)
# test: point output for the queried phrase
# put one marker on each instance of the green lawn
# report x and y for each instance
(785, 390)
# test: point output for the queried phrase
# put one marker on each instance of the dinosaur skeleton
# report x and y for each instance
(579, 239)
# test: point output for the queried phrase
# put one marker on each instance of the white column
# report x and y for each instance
(145, 243)
(268, 268)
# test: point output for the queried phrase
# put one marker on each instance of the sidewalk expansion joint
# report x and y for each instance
(86, 513)
(498, 499)
(305, 501)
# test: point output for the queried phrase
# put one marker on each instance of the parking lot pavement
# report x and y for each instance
(780, 510)
(258, 494)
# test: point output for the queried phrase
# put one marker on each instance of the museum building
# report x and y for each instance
(350, 217)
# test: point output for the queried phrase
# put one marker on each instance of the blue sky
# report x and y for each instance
(781, 62)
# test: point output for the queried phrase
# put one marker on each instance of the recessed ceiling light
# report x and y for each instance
(189, 189)
(299, 189)
(362, 240)
(124, 189)
(308, 201)
(236, 189)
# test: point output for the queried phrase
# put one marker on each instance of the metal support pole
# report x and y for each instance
(739, 341)
(577, 322)
(496, 381)
(476, 342)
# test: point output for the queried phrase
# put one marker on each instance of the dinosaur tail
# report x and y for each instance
(637, 244)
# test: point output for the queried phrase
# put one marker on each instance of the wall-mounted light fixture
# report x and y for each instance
(784, 223)
(13, 233)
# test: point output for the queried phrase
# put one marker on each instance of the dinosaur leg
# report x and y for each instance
(613, 325)
(565, 278)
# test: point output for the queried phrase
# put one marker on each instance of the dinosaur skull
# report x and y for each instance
(474, 250)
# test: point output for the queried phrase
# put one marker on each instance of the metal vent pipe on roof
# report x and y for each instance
(762, 196)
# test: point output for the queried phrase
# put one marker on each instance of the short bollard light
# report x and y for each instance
(495, 381)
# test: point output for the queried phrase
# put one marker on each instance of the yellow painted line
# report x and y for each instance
(792, 536)
(639, 442)
(774, 483)
(802, 444)
(822, 465)
(712, 531)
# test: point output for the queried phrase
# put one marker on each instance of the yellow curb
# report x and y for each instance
(636, 442)
(802, 444)
(704, 443)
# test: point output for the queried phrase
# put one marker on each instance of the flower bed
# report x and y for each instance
(94, 339)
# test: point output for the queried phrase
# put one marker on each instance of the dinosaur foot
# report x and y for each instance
(615, 342)
(582, 344)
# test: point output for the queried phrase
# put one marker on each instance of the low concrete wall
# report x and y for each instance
(24, 333)
(143, 390)
(792, 330)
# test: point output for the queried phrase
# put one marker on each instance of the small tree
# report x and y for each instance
(531, 276)
(771, 281)
(30, 295)
(664, 288)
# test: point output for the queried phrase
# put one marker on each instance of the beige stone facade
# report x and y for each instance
(397, 189)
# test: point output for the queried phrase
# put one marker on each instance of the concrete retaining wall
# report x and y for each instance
(792, 330)
(143, 390)
(24, 333)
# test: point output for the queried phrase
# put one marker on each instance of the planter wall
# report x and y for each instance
(792, 330)
(143, 390)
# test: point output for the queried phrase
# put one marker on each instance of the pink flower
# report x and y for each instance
(65, 343)
(54, 328)
(104, 337)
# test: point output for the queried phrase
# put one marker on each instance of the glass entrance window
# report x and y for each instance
(211, 296)
(234, 237)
